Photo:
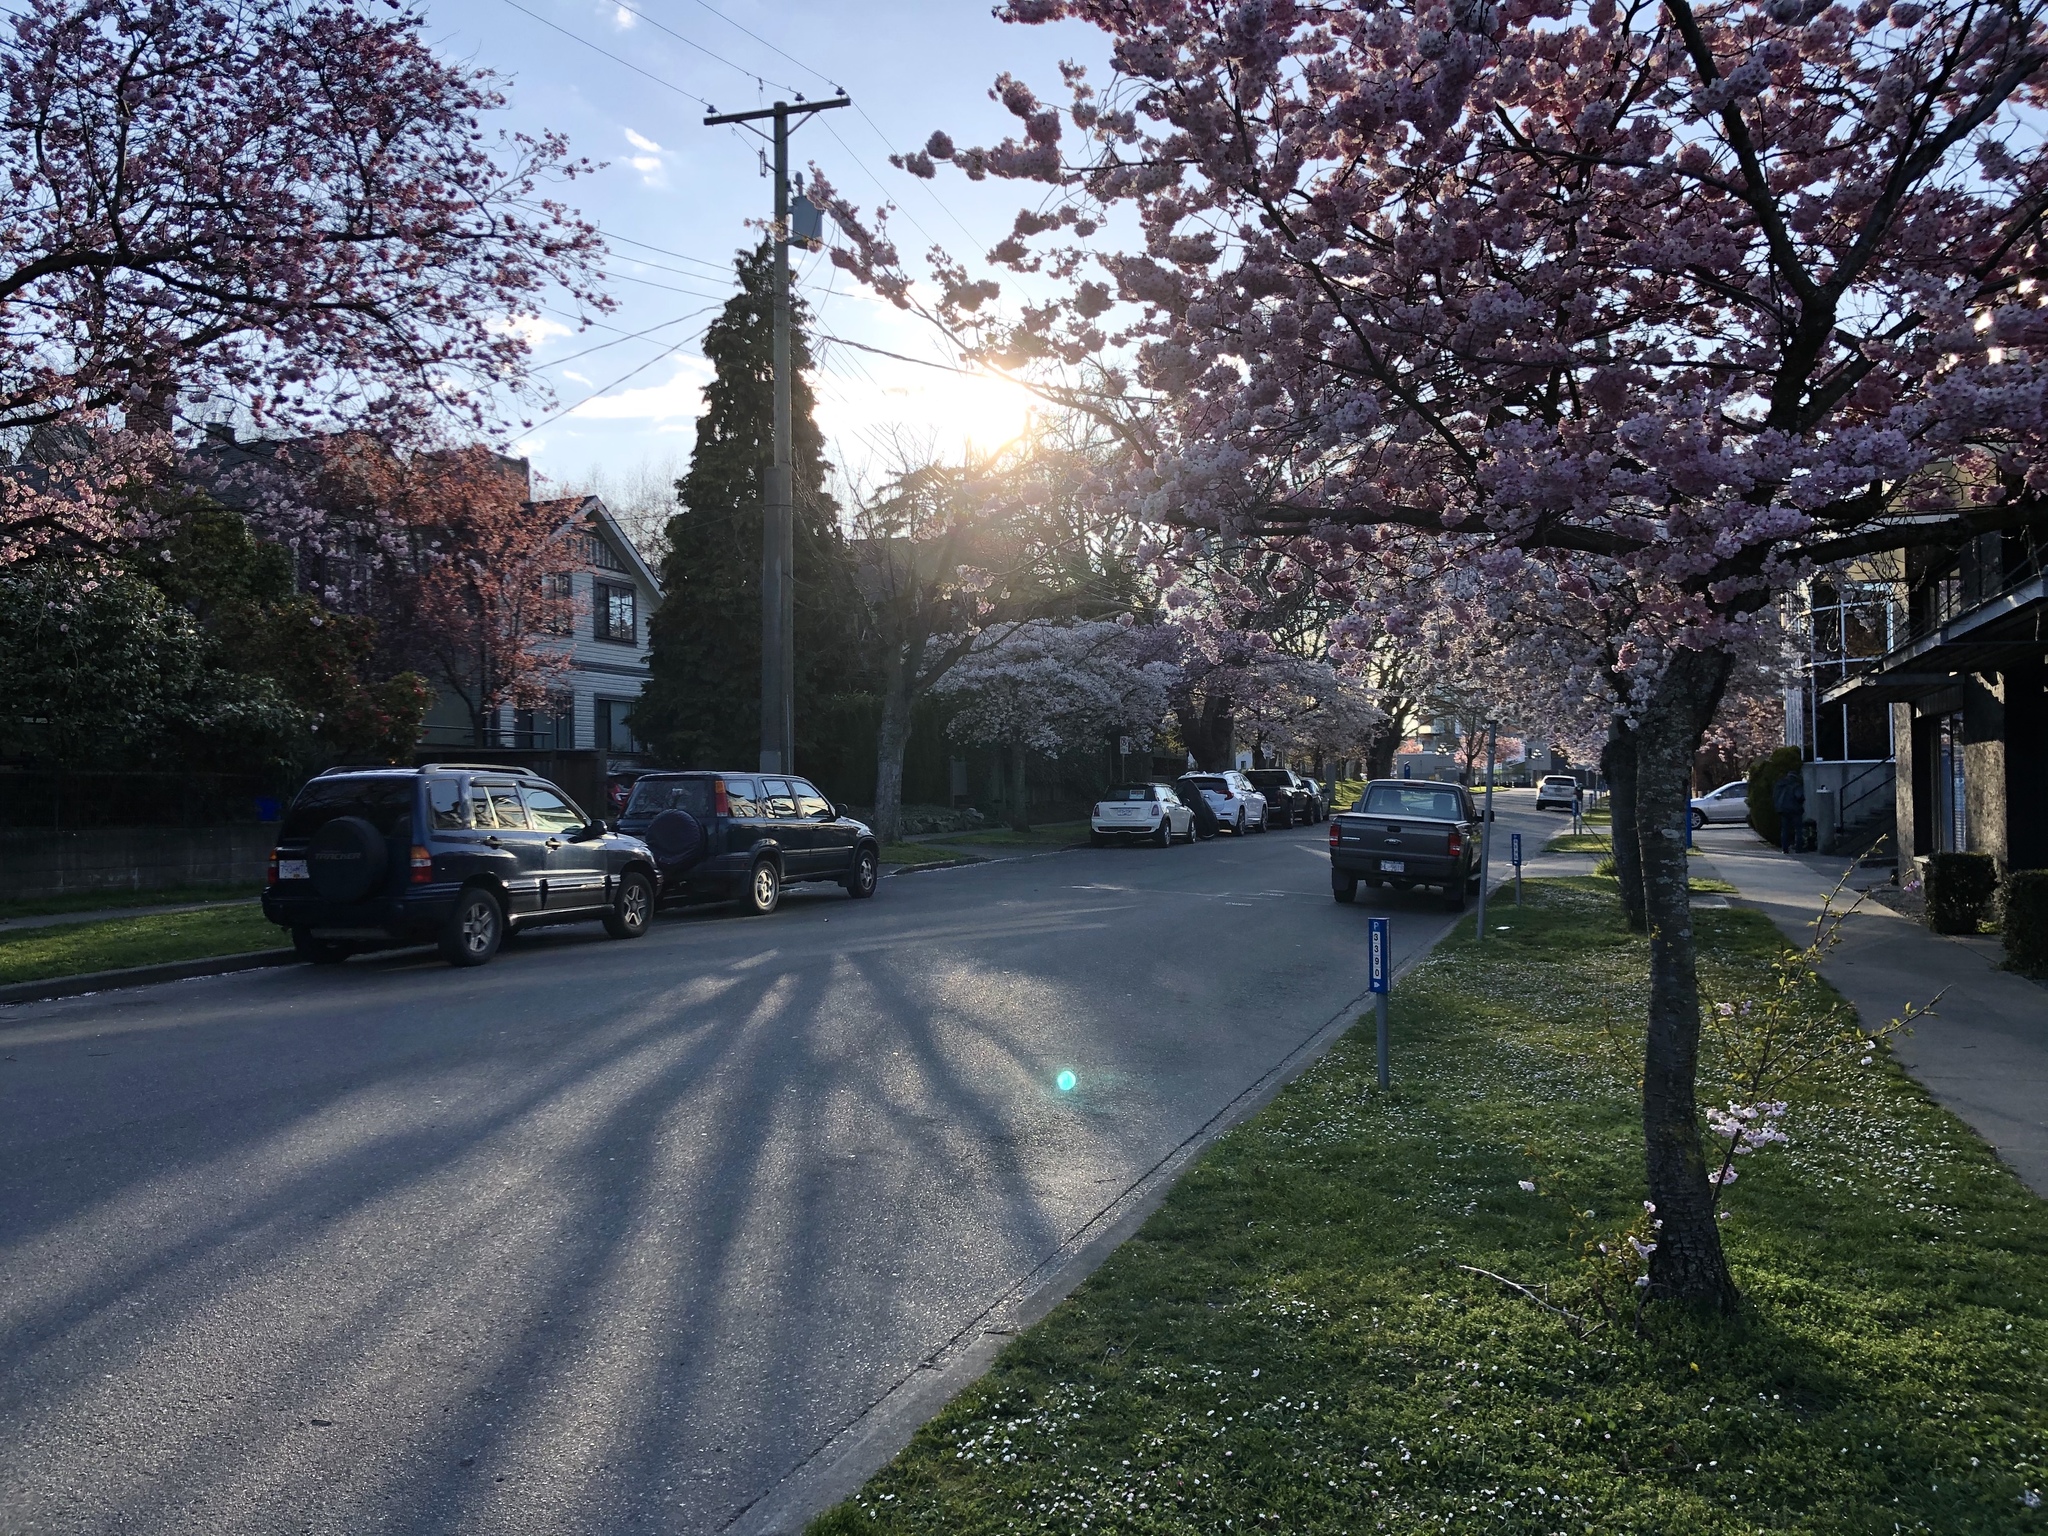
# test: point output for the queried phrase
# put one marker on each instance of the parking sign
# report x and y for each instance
(1380, 952)
(1515, 848)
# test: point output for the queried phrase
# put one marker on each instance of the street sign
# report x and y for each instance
(1515, 848)
(1379, 975)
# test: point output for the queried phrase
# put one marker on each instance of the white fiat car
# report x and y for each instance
(1153, 812)
(1238, 805)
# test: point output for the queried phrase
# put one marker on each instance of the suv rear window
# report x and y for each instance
(653, 796)
(1128, 792)
(1428, 804)
(384, 801)
(1214, 786)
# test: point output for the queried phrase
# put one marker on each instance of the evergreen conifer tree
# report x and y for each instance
(702, 703)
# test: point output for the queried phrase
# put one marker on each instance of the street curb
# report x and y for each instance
(838, 1468)
(142, 976)
(919, 869)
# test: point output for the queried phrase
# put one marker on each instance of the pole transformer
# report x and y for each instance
(778, 520)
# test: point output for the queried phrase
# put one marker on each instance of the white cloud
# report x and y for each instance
(641, 141)
(680, 397)
(649, 163)
(536, 329)
(569, 373)
(622, 18)
(529, 447)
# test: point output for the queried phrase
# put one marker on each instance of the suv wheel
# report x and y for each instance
(475, 928)
(318, 951)
(866, 875)
(633, 908)
(764, 888)
(1240, 825)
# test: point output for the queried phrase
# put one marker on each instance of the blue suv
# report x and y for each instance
(720, 836)
(457, 853)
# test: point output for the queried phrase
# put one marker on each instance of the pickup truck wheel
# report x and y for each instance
(865, 875)
(318, 951)
(474, 929)
(764, 888)
(1454, 897)
(632, 908)
(1344, 887)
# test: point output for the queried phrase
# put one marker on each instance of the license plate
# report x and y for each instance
(1393, 867)
(291, 869)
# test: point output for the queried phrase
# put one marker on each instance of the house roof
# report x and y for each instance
(595, 511)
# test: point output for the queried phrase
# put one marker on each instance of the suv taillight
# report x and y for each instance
(1336, 833)
(271, 877)
(720, 806)
(1457, 844)
(422, 865)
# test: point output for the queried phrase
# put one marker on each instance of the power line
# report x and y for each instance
(751, 74)
(694, 293)
(622, 339)
(716, 266)
(615, 383)
(772, 48)
(574, 37)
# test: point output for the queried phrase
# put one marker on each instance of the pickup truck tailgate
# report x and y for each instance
(1388, 838)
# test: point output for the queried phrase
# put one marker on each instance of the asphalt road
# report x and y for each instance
(606, 1237)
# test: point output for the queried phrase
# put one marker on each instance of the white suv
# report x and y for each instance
(1557, 790)
(1238, 805)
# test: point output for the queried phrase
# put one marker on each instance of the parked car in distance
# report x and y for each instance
(747, 836)
(1404, 833)
(1288, 796)
(1238, 805)
(459, 854)
(1128, 812)
(1728, 803)
(1557, 791)
(1322, 792)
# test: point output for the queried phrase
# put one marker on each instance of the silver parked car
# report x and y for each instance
(1728, 803)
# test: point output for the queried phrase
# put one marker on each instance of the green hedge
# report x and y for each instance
(1764, 774)
(1959, 886)
(2026, 921)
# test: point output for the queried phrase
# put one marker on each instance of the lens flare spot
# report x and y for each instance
(1066, 1082)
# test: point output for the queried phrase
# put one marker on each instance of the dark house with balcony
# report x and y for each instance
(1966, 685)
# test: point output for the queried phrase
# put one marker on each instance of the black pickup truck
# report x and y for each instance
(1405, 833)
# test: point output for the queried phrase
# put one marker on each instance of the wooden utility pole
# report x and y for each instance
(778, 522)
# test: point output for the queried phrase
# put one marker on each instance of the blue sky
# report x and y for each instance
(676, 196)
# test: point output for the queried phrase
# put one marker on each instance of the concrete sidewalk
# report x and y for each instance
(1984, 1053)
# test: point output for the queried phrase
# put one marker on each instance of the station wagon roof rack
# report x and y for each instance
(514, 768)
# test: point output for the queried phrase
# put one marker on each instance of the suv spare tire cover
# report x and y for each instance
(347, 858)
(676, 838)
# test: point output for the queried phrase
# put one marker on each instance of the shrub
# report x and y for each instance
(1958, 887)
(2026, 921)
(1764, 774)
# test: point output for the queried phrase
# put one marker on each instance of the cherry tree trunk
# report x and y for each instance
(1207, 733)
(1020, 790)
(1618, 767)
(898, 684)
(1688, 1264)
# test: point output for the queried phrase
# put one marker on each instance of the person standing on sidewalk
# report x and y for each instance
(1788, 799)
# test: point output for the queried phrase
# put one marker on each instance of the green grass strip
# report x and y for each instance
(1288, 1345)
(1059, 834)
(911, 855)
(73, 949)
(102, 901)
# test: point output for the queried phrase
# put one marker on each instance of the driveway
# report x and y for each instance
(609, 1237)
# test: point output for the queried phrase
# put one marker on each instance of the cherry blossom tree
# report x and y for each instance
(1713, 294)
(1046, 686)
(484, 601)
(281, 210)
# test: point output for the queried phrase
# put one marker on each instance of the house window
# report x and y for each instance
(558, 610)
(615, 614)
(545, 730)
(613, 734)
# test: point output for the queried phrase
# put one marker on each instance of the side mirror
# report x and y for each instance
(592, 831)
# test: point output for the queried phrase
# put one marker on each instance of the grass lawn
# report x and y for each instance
(1580, 842)
(1058, 834)
(910, 855)
(70, 949)
(101, 901)
(1288, 1345)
